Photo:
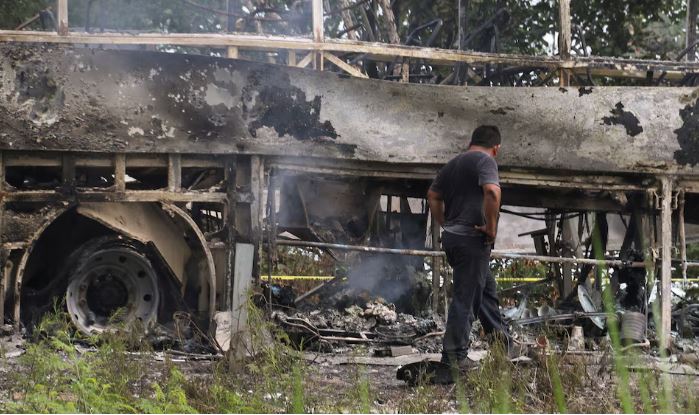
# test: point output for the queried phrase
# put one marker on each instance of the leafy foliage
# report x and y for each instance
(13, 13)
(639, 28)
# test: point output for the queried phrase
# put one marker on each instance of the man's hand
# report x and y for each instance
(490, 234)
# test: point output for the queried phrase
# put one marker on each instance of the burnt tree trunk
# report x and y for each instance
(391, 28)
(232, 7)
(692, 9)
(460, 68)
(348, 20)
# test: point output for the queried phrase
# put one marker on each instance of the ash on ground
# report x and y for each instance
(376, 323)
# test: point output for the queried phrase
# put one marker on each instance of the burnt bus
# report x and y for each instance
(146, 183)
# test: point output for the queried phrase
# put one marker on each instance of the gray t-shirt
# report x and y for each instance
(460, 183)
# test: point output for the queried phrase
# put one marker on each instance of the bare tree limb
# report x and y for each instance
(348, 20)
(390, 22)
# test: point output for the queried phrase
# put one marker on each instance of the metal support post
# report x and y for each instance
(645, 242)
(68, 170)
(272, 232)
(62, 17)
(120, 172)
(174, 172)
(230, 219)
(570, 248)
(682, 236)
(666, 262)
(436, 267)
(257, 181)
(564, 38)
(3, 253)
(691, 29)
(318, 31)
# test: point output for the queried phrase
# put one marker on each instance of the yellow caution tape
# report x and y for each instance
(501, 279)
(300, 277)
(514, 279)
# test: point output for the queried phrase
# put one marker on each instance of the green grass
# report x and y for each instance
(54, 377)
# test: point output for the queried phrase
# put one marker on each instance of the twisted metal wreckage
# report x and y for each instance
(140, 180)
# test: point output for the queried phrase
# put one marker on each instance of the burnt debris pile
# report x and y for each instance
(376, 324)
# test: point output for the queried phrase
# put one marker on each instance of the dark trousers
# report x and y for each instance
(474, 295)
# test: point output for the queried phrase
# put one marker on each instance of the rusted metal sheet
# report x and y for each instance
(55, 98)
(145, 223)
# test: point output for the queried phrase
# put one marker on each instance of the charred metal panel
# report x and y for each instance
(145, 223)
(21, 226)
(331, 209)
(56, 98)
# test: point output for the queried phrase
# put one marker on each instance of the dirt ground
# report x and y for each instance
(351, 387)
(61, 374)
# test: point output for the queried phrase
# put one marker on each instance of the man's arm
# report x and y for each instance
(436, 206)
(491, 209)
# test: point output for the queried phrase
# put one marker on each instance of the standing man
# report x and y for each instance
(465, 200)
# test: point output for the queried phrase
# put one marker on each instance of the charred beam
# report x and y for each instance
(494, 254)
(605, 66)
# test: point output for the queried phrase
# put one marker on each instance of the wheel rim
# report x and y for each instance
(114, 287)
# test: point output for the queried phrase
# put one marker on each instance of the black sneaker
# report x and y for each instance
(461, 365)
(425, 372)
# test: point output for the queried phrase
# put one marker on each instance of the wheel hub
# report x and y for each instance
(106, 294)
(113, 286)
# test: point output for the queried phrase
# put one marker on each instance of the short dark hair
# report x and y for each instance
(485, 136)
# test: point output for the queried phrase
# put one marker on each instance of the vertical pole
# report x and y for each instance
(272, 234)
(348, 20)
(174, 172)
(682, 237)
(232, 7)
(318, 32)
(291, 61)
(436, 267)
(405, 71)
(644, 242)
(691, 37)
(2, 173)
(120, 172)
(243, 217)
(389, 208)
(460, 68)
(68, 169)
(367, 24)
(3, 253)
(230, 176)
(570, 248)
(564, 38)
(666, 264)
(257, 178)
(242, 281)
(62, 14)
(391, 26)
(3, 270)
(463, 22)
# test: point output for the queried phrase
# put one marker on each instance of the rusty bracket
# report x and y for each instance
(675, 199)
(656, 199)
(653, 198)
